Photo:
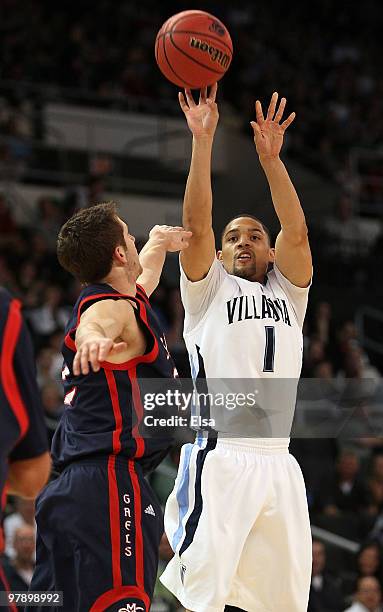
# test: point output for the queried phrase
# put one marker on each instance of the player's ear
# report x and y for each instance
(271, 255)
(120, 255)
(219, 255)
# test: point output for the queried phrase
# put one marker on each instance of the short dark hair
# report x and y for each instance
(86, 242)
(265, 228)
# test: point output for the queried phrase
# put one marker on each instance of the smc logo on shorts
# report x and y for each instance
(131, 608)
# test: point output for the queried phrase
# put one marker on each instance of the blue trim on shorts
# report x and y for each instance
(182, 495)
(193, 520)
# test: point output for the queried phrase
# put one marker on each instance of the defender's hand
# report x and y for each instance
(95, 351)
(202, 118)
(269, 132)
(173, 238)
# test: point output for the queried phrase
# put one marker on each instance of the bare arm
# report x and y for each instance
(202, 120)
(28, 476)
(292, 249)
(100, 326)
(162, 239)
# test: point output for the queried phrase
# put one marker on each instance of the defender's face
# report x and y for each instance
(132, 261)
(246, 249)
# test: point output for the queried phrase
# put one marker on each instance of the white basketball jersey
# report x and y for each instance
(239, 329)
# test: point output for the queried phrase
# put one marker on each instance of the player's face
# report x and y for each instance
(246, 249)
(132, 262)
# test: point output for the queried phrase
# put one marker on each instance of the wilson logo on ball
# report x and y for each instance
(193, 49)
(216, 55)
(217, 28)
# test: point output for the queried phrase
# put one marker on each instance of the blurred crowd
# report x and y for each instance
(328, 67)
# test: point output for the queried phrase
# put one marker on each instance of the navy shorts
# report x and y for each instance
(98, 530)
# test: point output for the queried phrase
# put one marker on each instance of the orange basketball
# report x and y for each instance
(193, 49)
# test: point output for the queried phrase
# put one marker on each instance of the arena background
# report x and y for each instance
(86, 116)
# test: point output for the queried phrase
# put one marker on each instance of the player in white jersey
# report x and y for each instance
(237, 518)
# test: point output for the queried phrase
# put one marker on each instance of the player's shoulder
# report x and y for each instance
(109, 308)
(273, 280)
(274, 286)
(102, 298)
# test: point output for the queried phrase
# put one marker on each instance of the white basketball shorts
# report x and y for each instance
(238, 522)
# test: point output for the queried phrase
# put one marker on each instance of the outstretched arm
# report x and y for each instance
(202, 119)
(292, 249)
(162, 239)
(97, 336)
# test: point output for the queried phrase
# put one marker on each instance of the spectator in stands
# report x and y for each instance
(51, 315)
(324, 370)
(322, 325)
(356, 365)
(345, 491)
(88, 195)
(359, 384)
(348, 236)
(369, 561)
(49, 220)
(368, 596)
(314, 355)
(28, 276)
(19, 571)
(325, 593)
(45, 372)
(349, 240)
(24, 515)
(375, 496)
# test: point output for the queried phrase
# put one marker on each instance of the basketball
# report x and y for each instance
(193, 49)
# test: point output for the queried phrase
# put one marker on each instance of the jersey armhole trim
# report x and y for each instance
(145, 358)
(108, 365)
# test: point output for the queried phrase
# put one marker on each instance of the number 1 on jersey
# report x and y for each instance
(268, 360)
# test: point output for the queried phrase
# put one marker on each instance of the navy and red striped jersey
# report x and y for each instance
(104, 409)
(23, 433)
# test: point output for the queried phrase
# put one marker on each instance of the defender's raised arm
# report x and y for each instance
(162, 239)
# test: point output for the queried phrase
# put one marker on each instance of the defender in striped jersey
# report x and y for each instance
(24, 457)
(99, 524)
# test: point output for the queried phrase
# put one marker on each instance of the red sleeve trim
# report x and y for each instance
(7, 372)
(68, 340)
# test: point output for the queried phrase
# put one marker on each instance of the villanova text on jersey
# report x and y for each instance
(245, 307)
(104, 410)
